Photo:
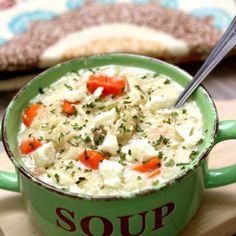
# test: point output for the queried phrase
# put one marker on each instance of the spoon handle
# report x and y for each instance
(226, 43)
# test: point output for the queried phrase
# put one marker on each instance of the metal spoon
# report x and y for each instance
(226, 43)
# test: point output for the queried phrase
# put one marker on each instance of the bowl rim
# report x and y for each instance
(56, 190)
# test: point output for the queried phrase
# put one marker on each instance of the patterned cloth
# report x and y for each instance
(41, 33)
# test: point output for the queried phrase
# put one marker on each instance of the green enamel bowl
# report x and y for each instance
(164, 211)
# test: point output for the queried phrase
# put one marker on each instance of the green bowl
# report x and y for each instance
(163, 211)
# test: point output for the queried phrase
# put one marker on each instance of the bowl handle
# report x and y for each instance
(9, 181)
(226, 175)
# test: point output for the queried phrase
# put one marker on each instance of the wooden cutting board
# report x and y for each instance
(216, 216)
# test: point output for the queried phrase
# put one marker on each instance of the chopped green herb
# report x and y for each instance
(72, 144)
(60, 137)
(200, 141)
(122, 156)
(127, 102)
(70, 165)
(86, 156)
(168, 121)
(66, 122)
(162, 140)
(144, 77)
(170, 163)
(155, 183)
(53, 126)
(138, 129)
(138, 87)
(77, 127)
(53, 111)
(87, 139)
(90, 105)
(174, 114)
(193, 155)
(57, 177)
(62, 150)
(81, 179)
(182, 164)
(129, 152)
(167, 81)
(31, 145)
(41, 90)
(139, 178)
(68, 86)
(123, 128)
(160, 155)
(184, 111)
(98, 138)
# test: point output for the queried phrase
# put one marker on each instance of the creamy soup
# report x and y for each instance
(110, 130)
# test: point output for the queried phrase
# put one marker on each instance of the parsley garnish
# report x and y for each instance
(57, 177)
(170, 163)
(81, 179)
(155, 183)
(87, 139)
(193, 155)
(184, 111)
(41, 90)
(167, 81)
(68, 86)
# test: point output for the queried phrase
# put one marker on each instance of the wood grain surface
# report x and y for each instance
(216, 216)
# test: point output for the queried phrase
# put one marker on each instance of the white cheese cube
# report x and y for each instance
(140, 150)
(62, 178)
(105, 118)
(110, 144)
(111, 71)
(193, 139)
(111, 172)
(159, 102)
(184, 130)
(98, 92)
(44, 155)
(74, 96)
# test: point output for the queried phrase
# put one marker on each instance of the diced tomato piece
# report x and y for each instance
(91, 158)
(68, 108)
(30, 145)
(151, 165)
(110, 85)
(30, 113)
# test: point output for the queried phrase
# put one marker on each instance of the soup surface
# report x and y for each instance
(110, 130)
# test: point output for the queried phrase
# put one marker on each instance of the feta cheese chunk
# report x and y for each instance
(140, 150)
(73, 96)
(111, 172)
(110, 144)
(105, 118)
(44, 155)
(159, 102)
(193, 139)
(98, 92)
(184, 130)
(61, 178)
